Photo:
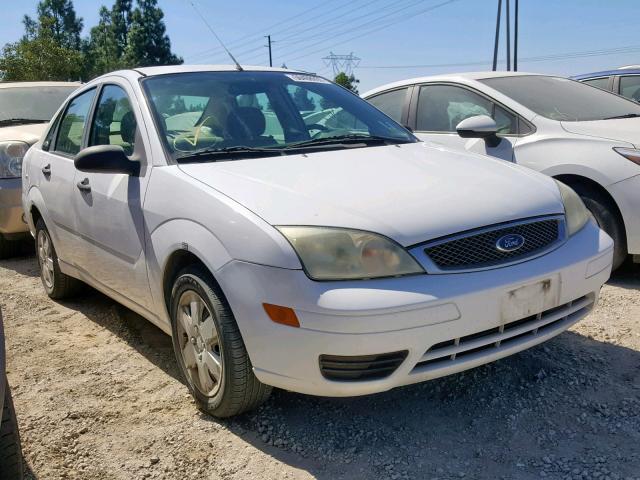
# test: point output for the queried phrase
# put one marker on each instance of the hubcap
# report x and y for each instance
(45, 258)
(199, 343)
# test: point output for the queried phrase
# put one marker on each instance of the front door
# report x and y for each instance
(439, 108)
(108, 206)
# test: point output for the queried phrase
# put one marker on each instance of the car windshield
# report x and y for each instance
(31, 104)
(563, 99)
(205, 113)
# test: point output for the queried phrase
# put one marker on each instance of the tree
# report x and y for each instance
(40, 55)
(58, 18)
(347, 81)
(147, 42)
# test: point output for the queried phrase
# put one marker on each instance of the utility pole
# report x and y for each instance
(508, 36)
(515, 40)
(269, 47)
(495, 46)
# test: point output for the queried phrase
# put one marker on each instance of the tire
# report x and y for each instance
(202, 352)
(57, 284)
(8, 248)
(10, 450)
(604, 213)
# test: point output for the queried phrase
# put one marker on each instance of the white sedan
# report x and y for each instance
(586, 137)
(342, 262)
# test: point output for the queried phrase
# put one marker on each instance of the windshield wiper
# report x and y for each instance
(626, 115)
(21, 121)
(237, 151)
(340, 140)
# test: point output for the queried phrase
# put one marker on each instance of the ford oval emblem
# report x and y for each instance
(510, 243)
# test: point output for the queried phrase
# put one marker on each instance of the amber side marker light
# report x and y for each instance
(282, 315)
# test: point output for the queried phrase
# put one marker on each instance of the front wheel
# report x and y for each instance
(209, 348)
(607, 220)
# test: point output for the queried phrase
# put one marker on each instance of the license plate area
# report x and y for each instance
(530, 299)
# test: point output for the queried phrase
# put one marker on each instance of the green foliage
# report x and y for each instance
(52, 48)
(347, 81)
(40, 57)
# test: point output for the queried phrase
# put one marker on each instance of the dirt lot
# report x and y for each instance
(98, 396)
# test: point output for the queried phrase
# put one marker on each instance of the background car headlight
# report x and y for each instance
(342, 254)
(11, 155)
(575, 212)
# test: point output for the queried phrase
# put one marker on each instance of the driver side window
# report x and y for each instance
(114, 122)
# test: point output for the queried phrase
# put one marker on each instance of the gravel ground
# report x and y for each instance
(98, 396)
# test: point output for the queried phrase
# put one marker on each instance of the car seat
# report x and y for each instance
(246, 125)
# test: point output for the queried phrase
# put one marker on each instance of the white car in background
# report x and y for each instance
(335, 258)
(586, 137)
(25, 111)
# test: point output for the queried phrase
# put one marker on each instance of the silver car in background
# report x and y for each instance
(25, 111)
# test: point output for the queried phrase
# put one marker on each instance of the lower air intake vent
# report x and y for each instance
(363, 367)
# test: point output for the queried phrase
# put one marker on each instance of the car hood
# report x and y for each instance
(621, 129)
(29, 133)
(411, 192)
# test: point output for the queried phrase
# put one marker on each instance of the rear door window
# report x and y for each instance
(602, 82)
(73, 123)
(391, 103)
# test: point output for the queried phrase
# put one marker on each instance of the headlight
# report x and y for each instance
(11, 155)
(575, 212)
(629, 153)
(341, 254)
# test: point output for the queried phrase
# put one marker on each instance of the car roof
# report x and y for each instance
(605, 73)
(38, 84)
(450, 77)
(169, 69)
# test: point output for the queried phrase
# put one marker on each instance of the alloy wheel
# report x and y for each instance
(199, 343)
(45, 257)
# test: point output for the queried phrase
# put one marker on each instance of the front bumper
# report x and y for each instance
(408, 314)
(11, 218)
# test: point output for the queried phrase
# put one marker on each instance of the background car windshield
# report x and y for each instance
(217, 110)
(562, 99)
(32, 103)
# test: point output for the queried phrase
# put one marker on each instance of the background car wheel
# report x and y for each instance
(8, 248)
(210, 349)
(56, 284)
(603, 212)
(10, 450)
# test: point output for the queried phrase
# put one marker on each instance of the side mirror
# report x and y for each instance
(480, 126)
(106, 159)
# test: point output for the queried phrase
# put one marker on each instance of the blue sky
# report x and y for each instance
(390, 33)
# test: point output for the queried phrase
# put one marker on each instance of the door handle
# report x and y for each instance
(84, 186)
(46, 170)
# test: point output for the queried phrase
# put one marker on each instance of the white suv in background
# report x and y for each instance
(336, 257)
(586, 137)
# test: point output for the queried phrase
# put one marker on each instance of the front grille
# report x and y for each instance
(363, 367)
(488, 342)
(478, 250)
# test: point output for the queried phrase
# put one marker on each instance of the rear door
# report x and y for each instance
(629, 87)
(395, 103)
(436, 109)
(108, 206)
(55, 173)
(605, 83)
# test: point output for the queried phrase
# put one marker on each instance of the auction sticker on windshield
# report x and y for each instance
(301, 77)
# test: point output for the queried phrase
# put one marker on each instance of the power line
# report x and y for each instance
(342, 63)
(540, 58)
(381, 27)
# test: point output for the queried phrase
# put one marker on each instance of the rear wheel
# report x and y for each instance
(210, 349)
(607, 219)
(57, 284)
(10, 450)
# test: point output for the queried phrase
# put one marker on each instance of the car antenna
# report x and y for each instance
(238, 67)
